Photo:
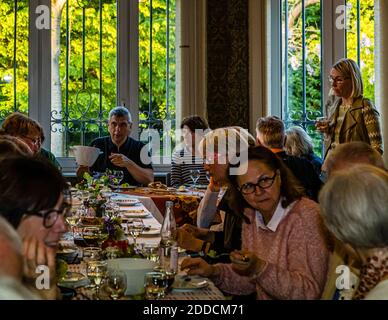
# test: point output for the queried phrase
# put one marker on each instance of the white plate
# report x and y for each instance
(66, 251)
(114, 187)
(74, 280)
(189, 283)
(125, 201)
(134, 214)
(151, 232)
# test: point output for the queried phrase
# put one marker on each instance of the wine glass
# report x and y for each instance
(135, 227)
(73, 218)
(91, 253)
(194, 175)
(116, 283)
(151, 252)
(118, 177)
(83, 195)
(208, 176)
(96, 272)
(321, 123)
(155, 285)
(94, 235)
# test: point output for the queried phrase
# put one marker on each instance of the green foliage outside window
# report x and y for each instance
(83, 93)
(293, 107)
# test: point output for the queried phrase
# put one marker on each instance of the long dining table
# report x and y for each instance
(151, 218)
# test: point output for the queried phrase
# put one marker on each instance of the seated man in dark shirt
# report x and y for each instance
(121, 152)
(270, 133)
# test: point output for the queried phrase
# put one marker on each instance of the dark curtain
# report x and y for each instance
(227, 63)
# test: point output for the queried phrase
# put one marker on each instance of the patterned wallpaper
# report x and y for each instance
(227, 63)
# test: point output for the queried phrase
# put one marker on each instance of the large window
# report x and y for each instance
(13, 57)
(83, 71)
(305, 54)
(103, 53)
(360, 31)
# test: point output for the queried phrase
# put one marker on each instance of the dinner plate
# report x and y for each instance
(91, 221)
(141, 213)
(73, 280)
(125, 201)
(189, 283)
(122, 188)
(152, 231)
(147, 190)
(65, 251)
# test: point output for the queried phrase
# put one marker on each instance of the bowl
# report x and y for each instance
(85, 155)
(135, 270)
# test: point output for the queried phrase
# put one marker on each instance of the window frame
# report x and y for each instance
(127, 73)
(333, 40)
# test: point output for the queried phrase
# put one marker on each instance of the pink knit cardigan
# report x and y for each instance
(296, 254)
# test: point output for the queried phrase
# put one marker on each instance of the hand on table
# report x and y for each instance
(198, 266)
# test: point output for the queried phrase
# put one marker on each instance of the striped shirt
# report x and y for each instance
(182, 162)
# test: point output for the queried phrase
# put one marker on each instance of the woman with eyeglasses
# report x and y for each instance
(31, 133)
(352, 117)
(34, 198)
(284, 251)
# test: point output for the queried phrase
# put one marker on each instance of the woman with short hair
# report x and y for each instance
(31, 132)
(354, 206)
(299, 144)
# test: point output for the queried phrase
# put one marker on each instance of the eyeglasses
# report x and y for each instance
(35, 141)
(263, 183)
(50, 216)
(337, 79)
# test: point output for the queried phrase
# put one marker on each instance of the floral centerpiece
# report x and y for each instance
(95, 186)
(116, 239)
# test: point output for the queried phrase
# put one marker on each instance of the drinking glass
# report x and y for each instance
(112, 209)
(83, 195)
(155, 285)
(91, 253)
(151, 252)
(194, 175)
(135, 227)
(73, 218)
(118, 177)
(96, 272)
(321, 123)
(116, 283)
(94, 236)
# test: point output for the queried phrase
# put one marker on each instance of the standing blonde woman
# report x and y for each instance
(352, 117)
